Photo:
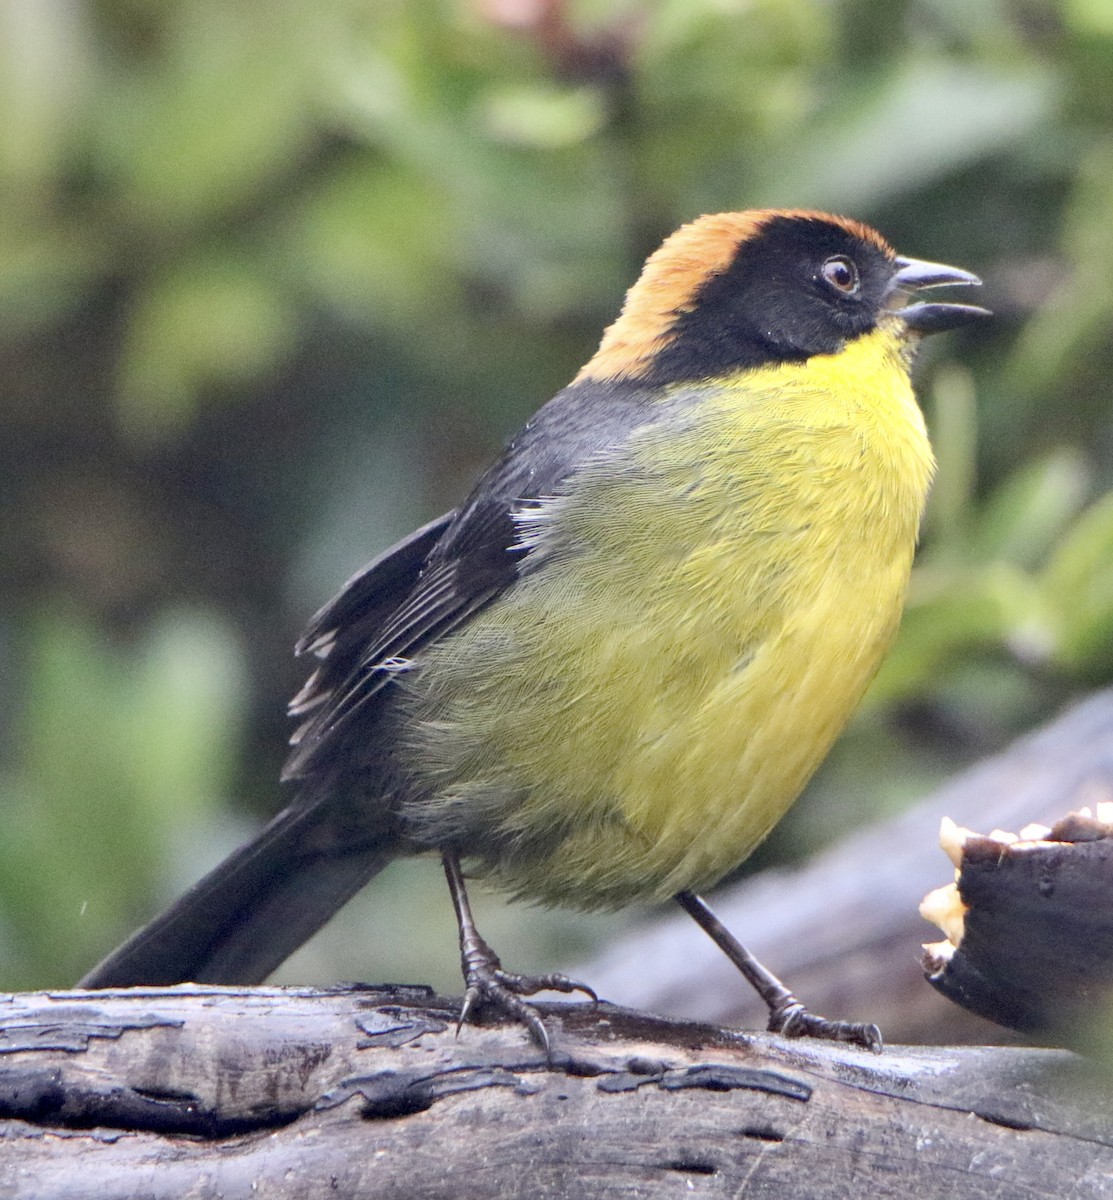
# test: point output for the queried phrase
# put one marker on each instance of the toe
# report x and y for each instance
(530, 985)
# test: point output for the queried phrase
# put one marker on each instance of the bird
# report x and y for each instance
(605, 676)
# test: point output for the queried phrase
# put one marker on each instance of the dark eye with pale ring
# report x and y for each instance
(841, 274)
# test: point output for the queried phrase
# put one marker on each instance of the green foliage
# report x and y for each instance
(200, 324)
(124, 758)
(276, 276)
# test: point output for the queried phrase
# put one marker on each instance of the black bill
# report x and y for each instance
(913, 275)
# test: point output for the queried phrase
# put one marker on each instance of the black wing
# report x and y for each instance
(440, 575)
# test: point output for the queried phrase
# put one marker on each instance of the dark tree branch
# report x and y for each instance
(357, 1093)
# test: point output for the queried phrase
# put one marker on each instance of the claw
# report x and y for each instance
(470, 998)
(489, 984)
(793, 1020)
(529, 985)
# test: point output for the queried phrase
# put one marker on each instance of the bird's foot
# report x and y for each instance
(487, 984)
(791, 1019)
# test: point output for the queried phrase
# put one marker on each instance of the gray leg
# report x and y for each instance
(786, 1014)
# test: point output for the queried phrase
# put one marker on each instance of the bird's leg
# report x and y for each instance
(787, 1015)
(485, 981)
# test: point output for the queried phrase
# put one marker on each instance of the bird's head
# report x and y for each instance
(748, 289)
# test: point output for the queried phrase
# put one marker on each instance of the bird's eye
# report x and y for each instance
(841, 273)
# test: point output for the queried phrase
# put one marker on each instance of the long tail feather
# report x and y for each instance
(252, 911)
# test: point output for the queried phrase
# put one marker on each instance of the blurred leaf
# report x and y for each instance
(372, 238)
(1030, 510)
(543, 117)
(1078, 582)
(186, 688)
(123, 758)
(1065, 336)
(45, 75)
(1089, 16)
(904, 129)
(46, 270)
(953, 425)
(206, 324)
(201, 128)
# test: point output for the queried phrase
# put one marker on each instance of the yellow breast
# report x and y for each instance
(635, 715)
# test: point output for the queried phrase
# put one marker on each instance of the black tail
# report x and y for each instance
(250, 913)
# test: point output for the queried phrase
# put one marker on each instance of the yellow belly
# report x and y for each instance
(634, 715)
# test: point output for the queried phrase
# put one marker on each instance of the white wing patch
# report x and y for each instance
(533, 521)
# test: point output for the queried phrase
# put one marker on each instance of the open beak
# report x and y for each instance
(913, 275)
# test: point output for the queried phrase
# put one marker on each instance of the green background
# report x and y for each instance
(278, 276)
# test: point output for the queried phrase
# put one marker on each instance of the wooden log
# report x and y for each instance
(283, 1092)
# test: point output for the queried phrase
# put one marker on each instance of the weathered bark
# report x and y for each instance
(843, 931)
(275, 1092)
